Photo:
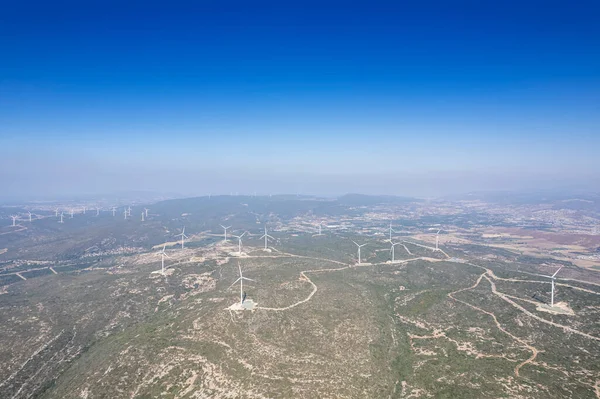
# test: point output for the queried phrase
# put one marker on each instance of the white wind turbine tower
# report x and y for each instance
(84, 210)
(114, 210)
(240, 241)
(61, 218)
(129, 211)
(125, 213)
(392, 249)
(266, 237)
(71, 213)
(320, 233)
(225, 228)
(183, 236)
(56, 212)
(163, 254)
(552, 278)
(241, 280)
(146, 211)
(14, 219)
(29, 216)
(142, 216)
(359, 247)
(97, 211)
(437, 240)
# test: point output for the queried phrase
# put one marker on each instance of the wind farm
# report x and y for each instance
(450, 298)
(299, 200)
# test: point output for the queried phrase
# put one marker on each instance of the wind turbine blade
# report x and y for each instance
(270, 236)
(243, 234)
(246, 278)
(263, 236)
(234, 283)
(355, 243)
(240, 268)
(554, 275)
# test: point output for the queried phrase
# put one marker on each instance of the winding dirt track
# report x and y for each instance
(488, 275)
(305, 277)
(345, 266)
(515, 280)
(533, 350)
(528, 313)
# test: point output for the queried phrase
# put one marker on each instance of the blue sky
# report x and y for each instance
(318, 97)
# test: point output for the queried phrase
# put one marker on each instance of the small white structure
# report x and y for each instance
(241, 280)
(225, 228)
(183, 236)
(163, 255)
(359, 247)
(392, 249)
(240, 242)
(552, 278)
(266, 237)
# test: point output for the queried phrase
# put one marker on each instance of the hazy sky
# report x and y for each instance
(319, 97)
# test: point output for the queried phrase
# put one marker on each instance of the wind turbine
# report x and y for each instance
(56, 212)
(71, 213)
(359, 247)
(114, 210)
(84, 210)
(240, 241)
(14, 219)
(225, 228)
(142, 216)
(125, 213)
(320, 234)
(61, 218)
(552, 278)
(437, 240)
(266, 237)
(163, 254)
(29, 212)
(241, 280)
(183, 236)
(392, 249)
(97, 211)
(146, 211)
(129, 211)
